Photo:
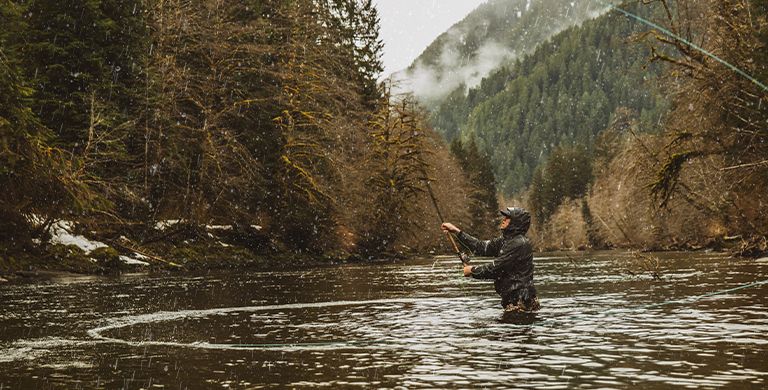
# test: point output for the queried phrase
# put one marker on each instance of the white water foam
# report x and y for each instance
(122, 322)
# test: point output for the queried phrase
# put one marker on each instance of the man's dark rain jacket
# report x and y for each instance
(512, 269)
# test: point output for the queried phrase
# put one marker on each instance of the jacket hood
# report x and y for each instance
(520, 221)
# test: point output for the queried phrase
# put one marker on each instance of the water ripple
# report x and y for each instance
(395, 325)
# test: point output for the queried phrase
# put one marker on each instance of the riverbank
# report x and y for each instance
(55, 259)
(171, 247)
(52, 260)
(174, 247)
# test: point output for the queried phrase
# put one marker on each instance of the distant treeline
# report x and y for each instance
(561, 95)
(615, 133)
(119, 113)
(490, 35)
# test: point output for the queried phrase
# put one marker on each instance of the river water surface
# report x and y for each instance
(605, 323)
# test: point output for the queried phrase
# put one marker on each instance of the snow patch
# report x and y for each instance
(132, 261)
(139, 256)
(61, 234)
(162, 225)
(218, 227)
(68, 365)
(9, 355)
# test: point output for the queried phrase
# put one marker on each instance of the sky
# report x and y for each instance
(409, 26)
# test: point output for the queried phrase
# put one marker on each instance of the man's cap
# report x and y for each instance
(520, 220)
(511, 212)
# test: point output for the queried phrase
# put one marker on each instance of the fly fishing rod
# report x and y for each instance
(463, 257)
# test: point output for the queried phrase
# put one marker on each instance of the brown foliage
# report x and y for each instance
(265, 113)
(707, 172)
(453, 193)
(717, 139)
(619, 210)
(624, 215)
(565, 229)
(405, 157)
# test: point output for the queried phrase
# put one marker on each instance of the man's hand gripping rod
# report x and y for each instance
(462, 256)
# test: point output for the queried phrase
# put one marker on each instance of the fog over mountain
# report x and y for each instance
(495, 33)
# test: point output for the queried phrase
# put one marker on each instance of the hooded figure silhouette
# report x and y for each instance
(512, 268)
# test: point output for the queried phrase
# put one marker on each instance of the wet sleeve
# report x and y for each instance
(480, 247)
(487, 270)
(494, 269)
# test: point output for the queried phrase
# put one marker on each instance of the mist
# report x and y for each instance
(430, 81)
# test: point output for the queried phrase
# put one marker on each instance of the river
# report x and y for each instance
(605, 323)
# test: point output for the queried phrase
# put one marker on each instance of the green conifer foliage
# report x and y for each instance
(73, 53)
(562, 94)
(567, 173)
(483, 205)
(36, 179)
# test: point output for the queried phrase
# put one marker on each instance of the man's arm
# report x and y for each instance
(486, 271)
(493, 269)
(478, 247)
(481, 247)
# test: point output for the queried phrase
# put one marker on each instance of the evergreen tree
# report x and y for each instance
(369, 50)
(562, 94)
(38, 186)
(477, 166)
(567, 173)
(399, 170)
(72, 54)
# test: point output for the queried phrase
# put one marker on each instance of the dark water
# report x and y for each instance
(395, 325)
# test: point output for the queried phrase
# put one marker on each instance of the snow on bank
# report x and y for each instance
(132, 261)
(218, 227)
(60, 234)
(162, 225)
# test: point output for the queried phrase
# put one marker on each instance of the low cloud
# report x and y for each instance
(432, 82)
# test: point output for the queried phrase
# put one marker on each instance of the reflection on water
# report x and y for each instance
(385, 325)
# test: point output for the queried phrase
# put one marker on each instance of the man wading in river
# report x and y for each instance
(512, 269)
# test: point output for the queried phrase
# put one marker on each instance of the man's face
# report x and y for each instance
(504, 223)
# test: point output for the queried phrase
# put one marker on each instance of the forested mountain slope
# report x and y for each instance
(495, 33)
(564, 93)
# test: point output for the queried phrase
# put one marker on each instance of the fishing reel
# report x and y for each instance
(464, 258)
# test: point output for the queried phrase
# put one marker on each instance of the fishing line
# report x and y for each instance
(689, 299)
(97, 331)
(164, 316)
(709, 54)
(686, 300)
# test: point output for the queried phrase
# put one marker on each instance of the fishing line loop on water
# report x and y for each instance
(96, 332)
(689, 299)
